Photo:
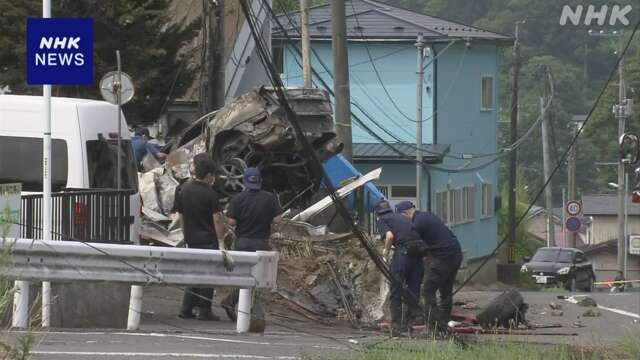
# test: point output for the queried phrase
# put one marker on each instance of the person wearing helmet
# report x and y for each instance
(406, 267)
(446, 257)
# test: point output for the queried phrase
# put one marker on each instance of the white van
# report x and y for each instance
(84, 142)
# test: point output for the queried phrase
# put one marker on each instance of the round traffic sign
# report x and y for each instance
(573, 224)
(574, 207)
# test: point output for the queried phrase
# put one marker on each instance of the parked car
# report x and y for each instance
(567, 267)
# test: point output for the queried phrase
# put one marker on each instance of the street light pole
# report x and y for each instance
(420, 73)
(621, 115)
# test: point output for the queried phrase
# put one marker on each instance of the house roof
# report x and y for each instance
(605, 205)
(382, 152)
(368, 19)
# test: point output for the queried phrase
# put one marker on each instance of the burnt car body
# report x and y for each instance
(567, 267)
(254, 131)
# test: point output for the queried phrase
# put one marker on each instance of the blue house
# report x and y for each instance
(459, 101)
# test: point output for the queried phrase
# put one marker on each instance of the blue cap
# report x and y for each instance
(404, 205)
(382, 207)
(252, 179)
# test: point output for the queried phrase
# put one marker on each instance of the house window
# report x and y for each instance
(487, 93)
(455, 206)
(442, 206)
(468, 203)
(487, 200)
(278, 58)
(403, 192)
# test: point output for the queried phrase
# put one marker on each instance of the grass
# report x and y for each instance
(629, 348)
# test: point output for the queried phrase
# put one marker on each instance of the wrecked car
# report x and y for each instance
(254, 131)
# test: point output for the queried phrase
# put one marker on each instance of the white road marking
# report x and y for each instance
(194, 338)
(159, 355)
(573, 300)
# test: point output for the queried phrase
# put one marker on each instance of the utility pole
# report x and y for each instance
(511, 250)
(571, 193)
(420, 73)
(306, 44)
(546, 160)
(341, 77)
(215, 58)
(621, 114)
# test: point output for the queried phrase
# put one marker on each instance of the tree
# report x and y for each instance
(142, 30)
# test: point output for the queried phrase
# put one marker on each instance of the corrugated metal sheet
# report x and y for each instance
(373, 151)
(605, 205)
(381, 21)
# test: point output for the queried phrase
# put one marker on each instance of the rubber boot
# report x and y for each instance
(414, 315)
(396, 320)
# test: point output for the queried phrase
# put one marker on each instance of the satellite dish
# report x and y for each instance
(109, 87)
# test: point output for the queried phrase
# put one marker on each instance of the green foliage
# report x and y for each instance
(141, 29)
(526, 245)
(489, 351)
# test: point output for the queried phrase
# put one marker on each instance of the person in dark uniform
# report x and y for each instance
(406, 266)
(253, 212)
(203, 225)
(446, 257)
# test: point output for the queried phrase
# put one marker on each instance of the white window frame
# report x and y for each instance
(487, 210)
(490, 94)
(455, 206)
(442, 198)
(468, 203)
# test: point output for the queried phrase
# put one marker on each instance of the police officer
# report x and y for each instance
(446, 257)
(406, 267)
(253, 212)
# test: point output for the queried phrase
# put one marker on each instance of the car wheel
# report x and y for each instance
(589, 285)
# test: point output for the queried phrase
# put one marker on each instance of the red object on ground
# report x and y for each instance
(635, 197)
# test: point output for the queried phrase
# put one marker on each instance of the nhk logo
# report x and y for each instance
(60, 51)
(578, 16)
(62, 59)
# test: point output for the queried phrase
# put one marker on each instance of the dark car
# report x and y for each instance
(565, 267)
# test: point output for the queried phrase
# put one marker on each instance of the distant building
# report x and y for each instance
(460, 106)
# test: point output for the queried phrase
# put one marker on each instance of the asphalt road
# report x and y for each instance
(163, 336)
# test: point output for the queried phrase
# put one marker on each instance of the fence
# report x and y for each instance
(42, 260)
(85, 215)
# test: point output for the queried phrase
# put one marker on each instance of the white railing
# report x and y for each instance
(38, 260)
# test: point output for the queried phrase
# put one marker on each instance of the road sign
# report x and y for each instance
(573, 223)
(574, 207)
(10, 204)
(59, 51)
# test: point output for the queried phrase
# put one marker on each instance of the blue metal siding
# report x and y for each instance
(396, 65)
(461, 123)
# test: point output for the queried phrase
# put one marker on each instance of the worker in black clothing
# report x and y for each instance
(202, 225)
(253, 212)
(446, 257)
(406, 265)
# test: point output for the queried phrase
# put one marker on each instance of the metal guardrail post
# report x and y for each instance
(244, 311)
(135, 308)
(20, 317)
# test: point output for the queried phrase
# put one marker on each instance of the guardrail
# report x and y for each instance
(39, 260)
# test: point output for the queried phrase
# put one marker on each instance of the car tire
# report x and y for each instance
(589, 287)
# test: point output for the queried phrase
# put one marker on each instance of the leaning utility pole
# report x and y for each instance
(621, 114)
(306, 43)
(420, 73)
(341, 77)
(546, 161)
(511, 250)
(215, 58)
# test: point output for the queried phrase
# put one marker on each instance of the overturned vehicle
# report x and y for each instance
(254, 131)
